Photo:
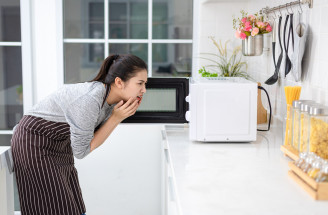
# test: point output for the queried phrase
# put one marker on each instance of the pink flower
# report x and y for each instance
(242, 35)
(268, 28)
(248, 28)
(237, 34)
(247, 23)
(243, 20)
(260, 24)
(255, 31)
(251, 17)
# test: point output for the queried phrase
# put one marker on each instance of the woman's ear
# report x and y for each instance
(119, 83)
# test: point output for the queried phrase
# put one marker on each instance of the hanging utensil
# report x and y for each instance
(273, 79)
(300, 28)
(300, 41)
(288, 63)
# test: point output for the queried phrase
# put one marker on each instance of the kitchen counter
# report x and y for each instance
(235, 178)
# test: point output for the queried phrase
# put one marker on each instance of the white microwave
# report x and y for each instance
(222, 110)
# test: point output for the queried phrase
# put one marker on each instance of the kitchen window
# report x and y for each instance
(157, 31)
(15, 69)
(15, 65)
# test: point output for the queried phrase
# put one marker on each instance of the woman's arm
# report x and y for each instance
(120, 112)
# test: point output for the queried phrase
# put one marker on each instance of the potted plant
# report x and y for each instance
(225, 63)
(250, 28)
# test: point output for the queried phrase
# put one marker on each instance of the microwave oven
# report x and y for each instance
(222, 110)
(163, 102)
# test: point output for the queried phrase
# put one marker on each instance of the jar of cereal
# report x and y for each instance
(318, 131)
(303, 131)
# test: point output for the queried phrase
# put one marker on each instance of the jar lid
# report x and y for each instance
(318, 110)
(297, 103)
(317, 163)
(325, 168)
(306, 106)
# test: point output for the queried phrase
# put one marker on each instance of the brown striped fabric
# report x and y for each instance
(47, 180)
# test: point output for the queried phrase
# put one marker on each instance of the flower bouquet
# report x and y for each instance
(250, 25)
(250, 28)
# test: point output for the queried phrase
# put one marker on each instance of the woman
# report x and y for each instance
(73, 121)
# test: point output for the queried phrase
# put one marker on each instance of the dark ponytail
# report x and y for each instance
(122, 66)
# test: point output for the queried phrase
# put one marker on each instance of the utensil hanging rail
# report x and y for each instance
(268, 10)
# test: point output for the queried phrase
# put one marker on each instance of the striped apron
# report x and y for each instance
(47, 180)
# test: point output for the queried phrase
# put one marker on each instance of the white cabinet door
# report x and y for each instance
(123, 176)
(169, 194)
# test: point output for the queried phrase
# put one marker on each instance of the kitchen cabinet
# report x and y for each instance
(123, 175)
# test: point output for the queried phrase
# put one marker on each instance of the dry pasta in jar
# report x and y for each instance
(304, 126)
(318, 131)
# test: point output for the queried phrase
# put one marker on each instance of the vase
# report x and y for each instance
(252, 46)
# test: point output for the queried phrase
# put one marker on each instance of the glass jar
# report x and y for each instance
(303, 126)
(296, 115)
(301, 160)
(323, 174)
(318, 131)
(310, 158)
(315, 169)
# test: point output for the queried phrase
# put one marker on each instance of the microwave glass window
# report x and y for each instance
(158, 100)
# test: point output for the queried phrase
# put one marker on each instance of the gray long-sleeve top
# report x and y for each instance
(79, 105)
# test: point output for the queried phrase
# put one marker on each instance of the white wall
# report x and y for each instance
(46, 37)
(216, 20)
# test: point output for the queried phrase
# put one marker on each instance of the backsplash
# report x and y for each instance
(216, 20)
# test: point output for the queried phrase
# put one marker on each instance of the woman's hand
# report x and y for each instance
(122, 111)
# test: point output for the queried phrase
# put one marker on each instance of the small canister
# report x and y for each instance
(296, 115)
(303, 126)
(310, 158)
(301, 160)
(318, 131)
(323, 174)
(313, 172)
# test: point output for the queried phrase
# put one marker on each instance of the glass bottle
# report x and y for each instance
(315, 169)
(323, 174)
(301, 160)
(308, 162)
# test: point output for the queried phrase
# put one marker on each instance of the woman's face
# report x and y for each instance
(135, 87)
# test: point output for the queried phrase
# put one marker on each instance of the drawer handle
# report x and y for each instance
(166, 152)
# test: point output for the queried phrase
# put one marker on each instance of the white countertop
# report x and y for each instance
(237, 178)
